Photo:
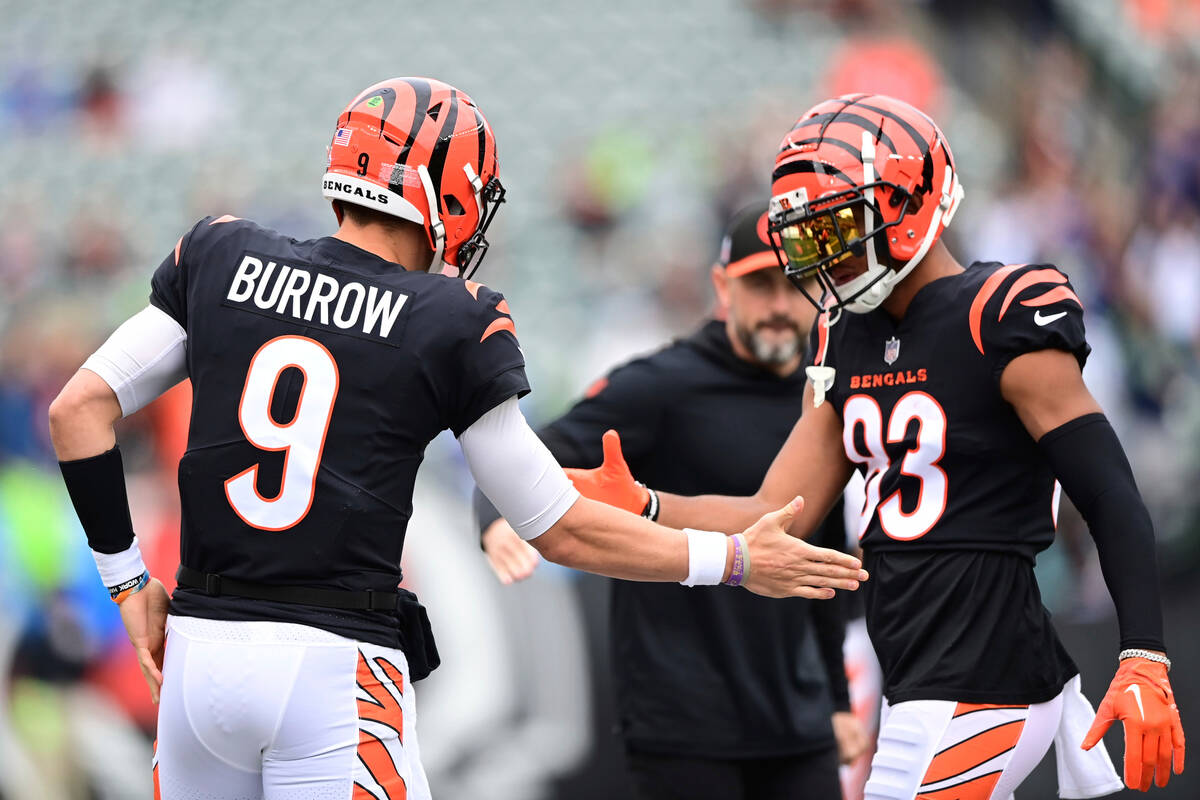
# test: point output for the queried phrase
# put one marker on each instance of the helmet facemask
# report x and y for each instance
(810, 239)
(488, 200)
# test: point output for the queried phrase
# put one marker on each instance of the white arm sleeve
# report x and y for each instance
(142, 359)
(516, 471)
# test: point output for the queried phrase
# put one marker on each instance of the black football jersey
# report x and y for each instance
(959, 499)
(319, 373)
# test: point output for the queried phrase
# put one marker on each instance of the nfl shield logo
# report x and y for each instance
(891, 350)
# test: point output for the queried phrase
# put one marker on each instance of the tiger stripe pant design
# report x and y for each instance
(942, 750)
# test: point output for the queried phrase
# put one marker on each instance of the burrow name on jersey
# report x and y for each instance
(346, 303)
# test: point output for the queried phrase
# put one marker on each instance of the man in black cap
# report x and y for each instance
(720, 694)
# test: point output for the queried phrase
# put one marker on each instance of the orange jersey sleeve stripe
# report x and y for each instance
(975, 318)
(502, 324)
(1055, 295)
(1030, 279)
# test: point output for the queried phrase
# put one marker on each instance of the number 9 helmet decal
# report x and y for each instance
(859, 175)
(421, 150)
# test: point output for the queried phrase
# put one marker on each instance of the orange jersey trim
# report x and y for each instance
(975, 318)
(1057, 294)
(502, 324)
(1030, 279)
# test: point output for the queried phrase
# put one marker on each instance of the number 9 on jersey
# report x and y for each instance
(302, 438)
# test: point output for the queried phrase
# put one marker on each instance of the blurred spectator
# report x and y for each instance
(101, 106)
(95, 248)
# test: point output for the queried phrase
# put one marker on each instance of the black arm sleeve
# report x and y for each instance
(1090, 463)
(829, 616)
(628, 400)
(97, 489)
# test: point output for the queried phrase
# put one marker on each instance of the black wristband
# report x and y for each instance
(650, 512)
(1089, 461)
(97, 489)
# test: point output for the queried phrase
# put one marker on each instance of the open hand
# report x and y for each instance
(1140, 696)
(783, 566)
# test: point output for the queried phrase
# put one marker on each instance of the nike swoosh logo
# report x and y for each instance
(1040, 320)
(1137, 693)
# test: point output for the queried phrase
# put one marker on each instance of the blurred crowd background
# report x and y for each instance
(628, 131)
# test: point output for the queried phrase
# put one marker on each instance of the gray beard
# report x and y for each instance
(766, 353)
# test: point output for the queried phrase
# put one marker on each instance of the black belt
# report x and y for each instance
(217, 585)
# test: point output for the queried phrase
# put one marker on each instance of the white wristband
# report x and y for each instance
(707, 551)
(117, 568)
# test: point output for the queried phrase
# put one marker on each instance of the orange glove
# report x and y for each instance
(611, 482)
(1140, 696)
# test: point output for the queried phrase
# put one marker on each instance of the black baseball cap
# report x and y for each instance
(746, 247)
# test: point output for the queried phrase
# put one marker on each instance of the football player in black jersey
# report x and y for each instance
(320, 371)
(957, 393)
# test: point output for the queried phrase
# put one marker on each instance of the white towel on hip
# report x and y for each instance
(1081, 773)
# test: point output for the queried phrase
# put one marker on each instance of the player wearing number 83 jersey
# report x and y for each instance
(957, 393)
(957, 493)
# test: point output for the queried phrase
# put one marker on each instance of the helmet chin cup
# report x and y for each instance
(866, 291)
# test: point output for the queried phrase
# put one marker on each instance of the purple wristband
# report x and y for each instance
(738, 573)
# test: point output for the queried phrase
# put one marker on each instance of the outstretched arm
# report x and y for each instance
(1046, 389)
(812, 463)
(518, 474)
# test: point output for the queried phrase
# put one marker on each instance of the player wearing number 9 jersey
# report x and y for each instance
(320, 371)
(957, 393)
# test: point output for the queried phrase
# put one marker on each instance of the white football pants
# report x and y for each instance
(276, 711)
(942, 750)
